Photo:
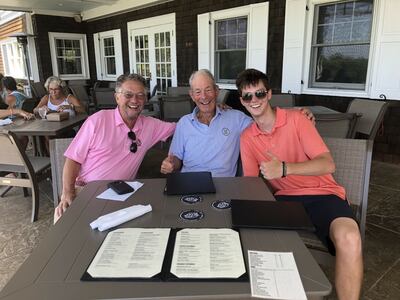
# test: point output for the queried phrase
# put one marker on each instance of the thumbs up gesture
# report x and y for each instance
(167, 166)
(272, 168)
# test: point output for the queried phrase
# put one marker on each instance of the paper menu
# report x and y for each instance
(274, 275)
(131, 252)
(207, 253)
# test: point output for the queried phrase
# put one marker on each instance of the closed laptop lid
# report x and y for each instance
(189, 183)
(270, 214)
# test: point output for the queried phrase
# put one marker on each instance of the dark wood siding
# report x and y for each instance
(387, 146)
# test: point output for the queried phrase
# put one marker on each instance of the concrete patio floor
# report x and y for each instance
(18, 236)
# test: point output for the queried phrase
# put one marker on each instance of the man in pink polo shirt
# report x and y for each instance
(288, 151)
(111, 144)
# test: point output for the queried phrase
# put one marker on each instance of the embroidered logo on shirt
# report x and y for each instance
(226, 131)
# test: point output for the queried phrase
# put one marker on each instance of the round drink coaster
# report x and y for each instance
(221, 204)
(191, 215)
(191, 199)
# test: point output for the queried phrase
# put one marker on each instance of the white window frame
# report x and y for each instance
(84, 62)
(257, 39)
(307, 59)
(99, 54)
(383, 77)
(10, 67)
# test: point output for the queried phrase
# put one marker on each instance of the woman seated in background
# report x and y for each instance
(59, 99)
(13, 98)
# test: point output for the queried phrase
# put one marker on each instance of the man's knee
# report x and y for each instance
(346, 236)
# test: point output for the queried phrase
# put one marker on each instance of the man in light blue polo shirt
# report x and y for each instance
(207, 139)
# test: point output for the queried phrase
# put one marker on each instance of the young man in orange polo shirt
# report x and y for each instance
(288, 151)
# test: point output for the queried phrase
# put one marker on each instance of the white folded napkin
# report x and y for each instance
(120, 216)
(5, 122)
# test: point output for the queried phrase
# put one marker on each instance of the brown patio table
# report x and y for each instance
(43, 127)
(54, 269)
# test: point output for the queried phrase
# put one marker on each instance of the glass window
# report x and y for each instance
(109, 56)
(230, 48)
(69, 60)
(341, 44)
(13, 59)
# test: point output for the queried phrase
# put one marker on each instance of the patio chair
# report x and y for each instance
(29, 104)
(57, 150)
(372, 113)
(353, 166)
(223, 96)
(38, 90)
(103, 97)
(178, 91)
(79, 91)
(338, 125)
(30, 170)
(172, 108)
(282, 100)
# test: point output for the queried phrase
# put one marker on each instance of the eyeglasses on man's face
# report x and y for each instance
(247, 97)
(134, 145)
(130, 95)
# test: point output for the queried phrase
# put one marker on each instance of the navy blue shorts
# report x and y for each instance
(322, 210)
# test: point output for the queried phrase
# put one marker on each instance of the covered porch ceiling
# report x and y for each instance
(87, 9)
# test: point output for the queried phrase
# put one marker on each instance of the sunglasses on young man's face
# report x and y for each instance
(134, 145)
(247, 97)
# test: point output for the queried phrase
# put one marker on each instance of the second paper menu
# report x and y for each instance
(207, 253)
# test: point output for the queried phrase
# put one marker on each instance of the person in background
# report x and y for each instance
(59, 99)
(4, 113)
(3, 93)
(112, 143)
(288, 151)
(14, 98)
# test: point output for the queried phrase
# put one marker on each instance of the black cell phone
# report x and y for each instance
(120, 187)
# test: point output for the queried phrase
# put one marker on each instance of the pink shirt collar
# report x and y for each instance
(120, 122)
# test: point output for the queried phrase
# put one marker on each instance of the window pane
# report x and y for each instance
(111, 68)
(162, 39)
(167, 39)
(242, 25)
(69, 66)
(221, 27)
(361, 31)
(342, 64)
(222, 43)
(230, 64)
(232, 26)
(342, 33)
(324, 34)
(344, 12)
(326, 14)
(363, 10)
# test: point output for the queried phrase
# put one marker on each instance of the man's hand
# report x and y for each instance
(167, 166)
(271, 169)
(308, 113)
(65, 202)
